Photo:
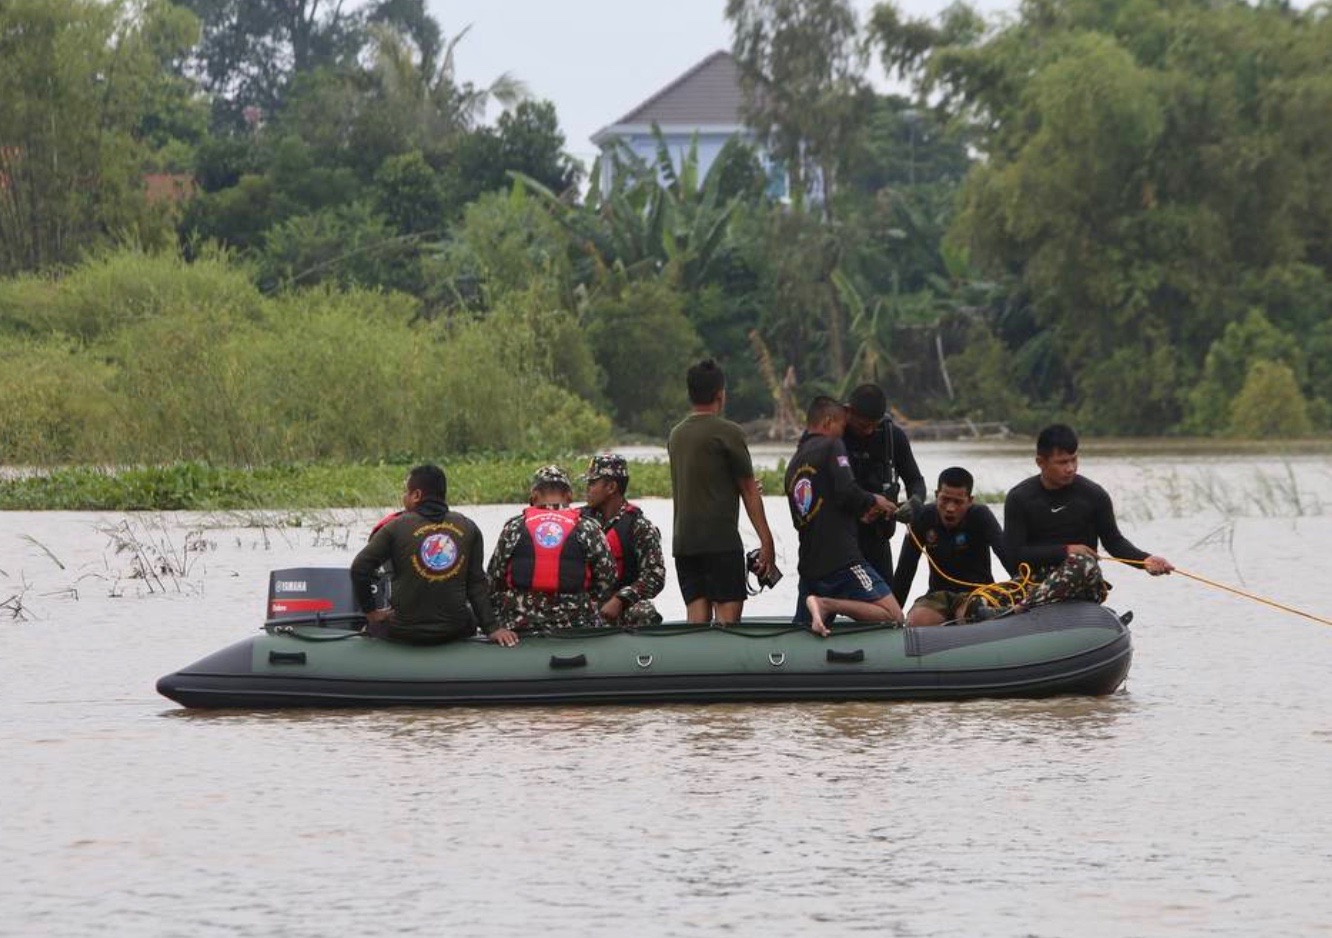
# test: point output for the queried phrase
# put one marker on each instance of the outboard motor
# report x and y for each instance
(317, 593)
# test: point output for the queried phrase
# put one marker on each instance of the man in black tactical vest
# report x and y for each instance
(881, 460)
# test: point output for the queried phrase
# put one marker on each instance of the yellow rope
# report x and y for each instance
(1015, 591)
(1010, 592)
(1229, 589)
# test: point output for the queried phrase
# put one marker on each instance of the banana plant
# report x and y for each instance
(657, 219)
(870, 328)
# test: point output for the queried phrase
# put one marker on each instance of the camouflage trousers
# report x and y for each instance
(640, 613)
(520, 610)
(1078, 577)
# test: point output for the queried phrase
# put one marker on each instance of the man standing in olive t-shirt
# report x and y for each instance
(711, 474)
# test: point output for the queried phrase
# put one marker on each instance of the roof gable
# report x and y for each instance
(708, 94)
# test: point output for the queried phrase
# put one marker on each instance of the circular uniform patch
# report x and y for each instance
(438, 552)
(803, 495)
(549, 534)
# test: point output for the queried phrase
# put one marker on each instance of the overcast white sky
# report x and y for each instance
(598, 59)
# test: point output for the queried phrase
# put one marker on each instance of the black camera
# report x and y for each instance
(767, 580)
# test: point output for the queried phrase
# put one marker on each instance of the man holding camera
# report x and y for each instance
(826, 504)
(712, 474)
(881, 460)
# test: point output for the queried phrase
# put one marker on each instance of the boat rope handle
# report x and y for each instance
(291, 630)
(1229, 589)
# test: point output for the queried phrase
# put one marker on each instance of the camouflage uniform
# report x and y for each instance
(651, 579)
(520, 609)
(1078, 577)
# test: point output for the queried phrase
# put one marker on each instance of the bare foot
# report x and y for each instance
(816, 612)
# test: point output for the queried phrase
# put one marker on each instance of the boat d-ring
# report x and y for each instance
(645, 661)
(776, 658)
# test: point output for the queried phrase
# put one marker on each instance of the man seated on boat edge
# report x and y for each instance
(826, 508)
(552, 567)
(1054, 520)
(439, 589)
(958, 535)
(635, 542)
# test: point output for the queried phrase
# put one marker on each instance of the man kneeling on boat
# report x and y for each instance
(1054, 520)
(826, 506)
(439, 590)
(956, 535)
(552, 567)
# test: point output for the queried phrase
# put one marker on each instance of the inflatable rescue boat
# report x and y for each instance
(311, 653)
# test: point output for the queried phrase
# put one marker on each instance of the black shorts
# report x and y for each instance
(718, 577)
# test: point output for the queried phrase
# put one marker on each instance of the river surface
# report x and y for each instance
(1196, 801)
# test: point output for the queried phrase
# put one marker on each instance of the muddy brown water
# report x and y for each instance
(1196, 801)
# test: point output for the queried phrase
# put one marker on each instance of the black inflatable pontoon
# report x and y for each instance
(310, 654)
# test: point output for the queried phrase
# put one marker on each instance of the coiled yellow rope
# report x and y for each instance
(1229, 589)
(1008, 593)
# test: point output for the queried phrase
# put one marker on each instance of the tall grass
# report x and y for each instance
(141, 359)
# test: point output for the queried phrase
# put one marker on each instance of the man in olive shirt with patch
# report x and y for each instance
(439, 590)
(711, 474)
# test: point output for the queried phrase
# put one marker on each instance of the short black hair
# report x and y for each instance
(821, 408)
(869, 401)
(430, 480)
(956, 477)
(705, 381)
(1056, 436)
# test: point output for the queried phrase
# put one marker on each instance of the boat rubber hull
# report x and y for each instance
(1069, 648)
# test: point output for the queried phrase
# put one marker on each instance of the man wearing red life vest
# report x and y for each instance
(552, 568)
(635, 542)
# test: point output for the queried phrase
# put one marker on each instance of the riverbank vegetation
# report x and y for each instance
(289, 236)
(189, 486)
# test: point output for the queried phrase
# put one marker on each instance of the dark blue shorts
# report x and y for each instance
(859, 581)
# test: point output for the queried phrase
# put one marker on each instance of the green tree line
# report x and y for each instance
(279, 229)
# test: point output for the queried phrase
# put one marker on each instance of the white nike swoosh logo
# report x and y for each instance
(1055, 511)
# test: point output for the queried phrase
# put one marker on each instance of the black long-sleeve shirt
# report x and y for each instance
(1039, 522)
(878, 460)
(826, 504)
(438, 573)
(962, 552)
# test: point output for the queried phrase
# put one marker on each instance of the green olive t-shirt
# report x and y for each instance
(709, 458)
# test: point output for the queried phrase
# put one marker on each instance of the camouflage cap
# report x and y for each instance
(606, 466)
(551, 475)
